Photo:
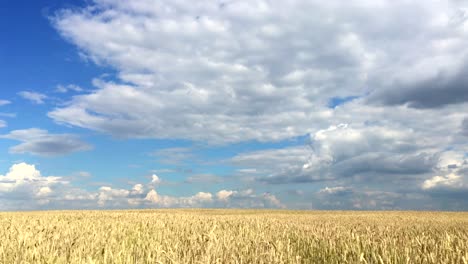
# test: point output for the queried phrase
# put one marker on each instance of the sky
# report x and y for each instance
(301, 104)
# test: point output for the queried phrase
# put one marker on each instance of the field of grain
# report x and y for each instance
(233, 236)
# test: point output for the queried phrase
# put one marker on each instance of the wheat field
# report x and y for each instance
(233, 236)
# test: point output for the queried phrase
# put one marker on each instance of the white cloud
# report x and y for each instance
(137, 189)
(24, 186)
(67, 88)
(223, 195)
(452, 173)
(451, 180)
(40, 142)
(109, 195)
(152, 196)
(334, 190)
(248, 198)
(155, 179)
(256, 88)
(37, 98)
(200, 199)
(44, 191)
(2, 122)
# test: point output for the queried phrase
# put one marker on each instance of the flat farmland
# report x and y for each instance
(233, 236)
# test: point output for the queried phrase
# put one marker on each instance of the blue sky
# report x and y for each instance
(304, 104)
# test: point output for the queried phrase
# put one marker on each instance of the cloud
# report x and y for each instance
(250, 84)
(442, 88)
(40, 142)
(452, 174)
(2, 122)
(155, 179)
(8, 114)
(196, 200)
(23, 187)
(255, 96)
(277, 166)
(334, 190)
(464, 127)
(370, 153)
(84, 174)
(394, 71)
(248, 198)
(204, 178)
(173, 155)
(450, 180)
(223, 195)
(107, 194)
(138, 189)
(68, 88)
(347, 151)
(37, 98)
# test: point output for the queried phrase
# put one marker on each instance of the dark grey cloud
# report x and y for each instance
(371, 154)
(439, 90)
(41, 142)
(384, 164)
(464, 127)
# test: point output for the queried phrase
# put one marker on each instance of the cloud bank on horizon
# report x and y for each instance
(344, 105)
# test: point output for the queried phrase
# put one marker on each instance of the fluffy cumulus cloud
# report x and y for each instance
(248, 198)
(155, 179)
(196, 200)
(23, 187)
(452, 174)
(145, 196)
(450, 180)
(40, 142)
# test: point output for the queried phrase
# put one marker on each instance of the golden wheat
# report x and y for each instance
(233, 236)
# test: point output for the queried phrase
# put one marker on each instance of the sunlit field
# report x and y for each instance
(233, 236)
